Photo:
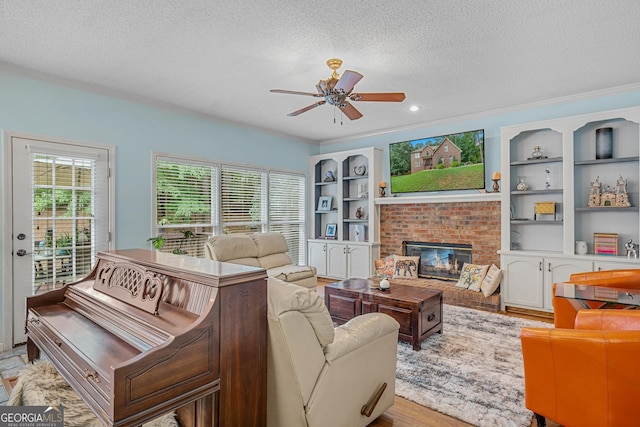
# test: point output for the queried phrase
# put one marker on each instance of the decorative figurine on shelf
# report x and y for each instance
(521, 186)
(594, 193)
(617, 197)
(359, 213)
(621, 185)
(537, 154)
(383, 186)
(547, 181)
(632, 249)
(360, 170)
(329, 177)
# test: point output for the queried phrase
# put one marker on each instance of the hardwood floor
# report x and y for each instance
(405, 413)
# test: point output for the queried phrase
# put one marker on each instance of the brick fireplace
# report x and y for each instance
(474, 223)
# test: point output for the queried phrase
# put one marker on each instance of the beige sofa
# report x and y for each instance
(265, 250)
(318, 376)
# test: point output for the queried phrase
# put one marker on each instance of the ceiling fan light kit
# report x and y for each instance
(338, 91)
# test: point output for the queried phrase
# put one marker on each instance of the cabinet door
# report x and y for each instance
(318, 256)
(337, 260)
(616, 265)
(558, 270)
(522, 281)
(359, 261)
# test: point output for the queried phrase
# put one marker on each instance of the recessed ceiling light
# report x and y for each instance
(415, 108)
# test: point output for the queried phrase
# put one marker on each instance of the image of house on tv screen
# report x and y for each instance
(438, 163)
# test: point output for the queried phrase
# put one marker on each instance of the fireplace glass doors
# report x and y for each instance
(439, 260)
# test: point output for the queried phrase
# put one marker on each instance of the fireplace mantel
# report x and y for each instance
(449, 198)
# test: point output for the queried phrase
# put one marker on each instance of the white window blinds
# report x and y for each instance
(287, 211)
(243, 199)
(184, 193)
(196, 199)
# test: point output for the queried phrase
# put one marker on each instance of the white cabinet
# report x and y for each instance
(337, 260)
(522, 281)
(557, 270)
(342, 260)
(317, 256)
(561, 178)
(344, 223)
(359, 260)
(528, 279)
(619, 264)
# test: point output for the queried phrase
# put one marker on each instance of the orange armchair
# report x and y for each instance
(587, 376)
(565, 313)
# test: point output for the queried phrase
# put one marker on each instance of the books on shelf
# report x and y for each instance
(605, 244)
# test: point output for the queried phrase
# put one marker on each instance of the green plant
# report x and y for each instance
(159, 241)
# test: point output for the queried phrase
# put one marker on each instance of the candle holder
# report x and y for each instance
(383, 188)
(496, 187)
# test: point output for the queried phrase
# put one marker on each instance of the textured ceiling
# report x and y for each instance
(220, 58)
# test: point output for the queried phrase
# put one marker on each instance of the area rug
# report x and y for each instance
(473, 371)
(39, 384)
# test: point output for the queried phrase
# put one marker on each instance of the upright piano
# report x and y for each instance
(146, 333)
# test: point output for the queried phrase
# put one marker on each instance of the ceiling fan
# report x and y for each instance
(338, 91)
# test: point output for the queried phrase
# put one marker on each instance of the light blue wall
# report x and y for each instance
(491, 123)
(50, 110)
(40, 108)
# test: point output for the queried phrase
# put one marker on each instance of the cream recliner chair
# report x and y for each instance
(319, 376)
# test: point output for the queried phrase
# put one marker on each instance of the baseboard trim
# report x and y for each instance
(542, 315)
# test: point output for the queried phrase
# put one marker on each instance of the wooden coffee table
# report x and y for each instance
(418, 310)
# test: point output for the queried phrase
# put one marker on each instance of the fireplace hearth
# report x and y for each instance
(439, 260)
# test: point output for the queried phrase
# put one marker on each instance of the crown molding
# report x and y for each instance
(515, 108)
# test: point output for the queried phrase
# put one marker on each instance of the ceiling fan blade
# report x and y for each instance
(347, 81)
(307, 108)
(350, 111)
(293, 92)
(382, 97)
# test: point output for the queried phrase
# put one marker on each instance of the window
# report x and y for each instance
(196, 199)
(184, 214)
(243, 200)
(287, 211)
(446, 148)
(417, 155)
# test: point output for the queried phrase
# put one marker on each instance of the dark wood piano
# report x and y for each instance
(146, 333)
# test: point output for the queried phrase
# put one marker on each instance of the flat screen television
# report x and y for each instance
(438, 163)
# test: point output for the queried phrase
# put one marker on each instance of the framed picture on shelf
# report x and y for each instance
(324, 203)
(330, 231)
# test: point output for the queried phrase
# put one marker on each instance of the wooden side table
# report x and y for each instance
(418, 310)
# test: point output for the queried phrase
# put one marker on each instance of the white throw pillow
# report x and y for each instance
(471, 276)
(491, 281)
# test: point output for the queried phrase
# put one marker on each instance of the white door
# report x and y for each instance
(60, 217)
